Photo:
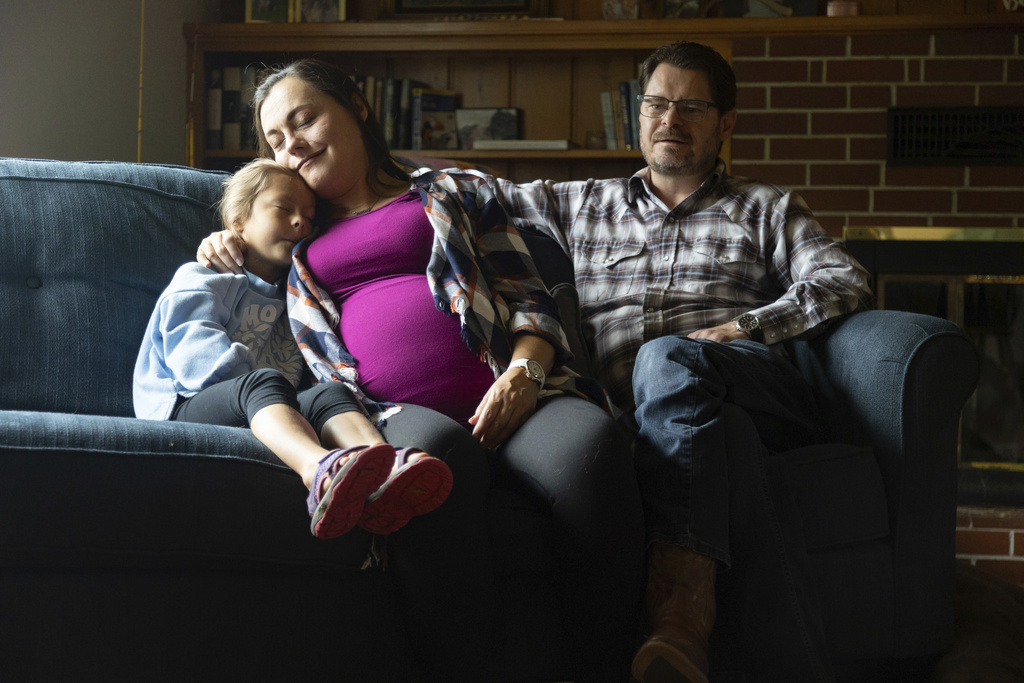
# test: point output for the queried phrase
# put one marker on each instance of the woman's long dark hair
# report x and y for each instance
(332, 81)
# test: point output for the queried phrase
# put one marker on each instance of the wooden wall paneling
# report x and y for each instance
(499, 168)
(980, 6)
(527, 170)
(431, 69)
(360, 63)
(483, 80)
(620, 168)
(541, 87)
(565, 9)
(592, 75)
(879, 7)
(931, 7)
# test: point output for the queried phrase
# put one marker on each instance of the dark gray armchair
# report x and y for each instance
(874, 511)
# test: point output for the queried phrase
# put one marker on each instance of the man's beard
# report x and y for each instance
(696, 162)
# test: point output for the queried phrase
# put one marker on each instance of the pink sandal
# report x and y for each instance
(339, 508)
(416, 487)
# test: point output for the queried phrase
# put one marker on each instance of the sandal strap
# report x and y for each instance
(326, 467)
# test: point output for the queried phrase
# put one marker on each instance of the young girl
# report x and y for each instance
(218, 350)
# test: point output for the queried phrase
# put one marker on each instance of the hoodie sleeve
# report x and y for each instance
(193, 336)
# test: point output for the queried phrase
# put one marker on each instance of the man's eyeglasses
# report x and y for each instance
(688, 110)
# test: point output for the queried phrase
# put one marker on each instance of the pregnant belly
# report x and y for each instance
(407, 351)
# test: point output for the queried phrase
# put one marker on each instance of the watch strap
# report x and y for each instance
(534, 370)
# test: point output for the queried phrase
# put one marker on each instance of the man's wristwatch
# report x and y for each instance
(751, 325)
(534, 370)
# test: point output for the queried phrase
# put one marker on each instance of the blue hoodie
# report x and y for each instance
(208, 327)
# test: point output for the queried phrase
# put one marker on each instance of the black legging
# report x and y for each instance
(577, 462)
(234, 402)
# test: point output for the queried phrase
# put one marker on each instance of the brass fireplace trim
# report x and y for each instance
(933, 234)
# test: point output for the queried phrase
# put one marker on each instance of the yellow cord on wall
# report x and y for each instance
(142, 36)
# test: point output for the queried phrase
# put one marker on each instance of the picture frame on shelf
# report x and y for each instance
(486, 123)
(620, 9)
(473, 9)
(319, 11)
(269, 11)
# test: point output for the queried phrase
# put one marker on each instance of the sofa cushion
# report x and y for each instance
(87, 491)
(88, 247)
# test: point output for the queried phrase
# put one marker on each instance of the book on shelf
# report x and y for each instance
(634, 110)
(486, 123)
(214, 108)
(378, 100)
(370, 90)
(522, 144)
(403, 118)
(627, 122)
(433, 119)
(611, 140)
(250, 76)
(618, 120)
(389, 111)
(231, 108)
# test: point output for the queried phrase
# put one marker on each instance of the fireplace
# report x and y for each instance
(975, 278)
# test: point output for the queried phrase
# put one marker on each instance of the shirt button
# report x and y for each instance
(665, 258)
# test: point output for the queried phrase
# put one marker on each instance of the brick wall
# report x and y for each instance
(993, 540)
(812, 116)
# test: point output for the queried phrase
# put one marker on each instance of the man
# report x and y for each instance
(688, 280)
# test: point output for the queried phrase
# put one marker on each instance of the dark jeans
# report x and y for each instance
(707, 488)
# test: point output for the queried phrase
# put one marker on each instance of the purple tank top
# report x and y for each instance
(406, 350)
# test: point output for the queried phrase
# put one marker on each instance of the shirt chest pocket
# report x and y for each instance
(609, 269)
(732, 263)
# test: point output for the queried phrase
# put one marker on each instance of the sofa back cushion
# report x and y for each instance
(85, 249)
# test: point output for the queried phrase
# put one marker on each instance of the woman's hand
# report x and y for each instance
(509, 402)
(222, 251)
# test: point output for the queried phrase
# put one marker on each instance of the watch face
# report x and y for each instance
(747, 322)
(535, 369)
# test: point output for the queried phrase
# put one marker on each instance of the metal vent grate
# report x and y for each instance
(956, 136)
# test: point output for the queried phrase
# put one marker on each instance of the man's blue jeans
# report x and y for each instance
(707, 488)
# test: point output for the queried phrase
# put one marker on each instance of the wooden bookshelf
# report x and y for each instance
(552, 70)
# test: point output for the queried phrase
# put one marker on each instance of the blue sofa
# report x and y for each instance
(114, 564)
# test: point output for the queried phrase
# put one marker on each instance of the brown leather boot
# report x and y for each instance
(681, 607)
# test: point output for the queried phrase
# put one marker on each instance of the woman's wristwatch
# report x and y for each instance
(534, 370)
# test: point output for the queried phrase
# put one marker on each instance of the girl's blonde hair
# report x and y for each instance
(242, 188)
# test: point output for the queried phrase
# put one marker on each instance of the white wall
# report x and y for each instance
(69, 78)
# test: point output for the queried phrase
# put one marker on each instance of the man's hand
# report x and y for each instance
(510, 401)
(223, 252)
(726, 332)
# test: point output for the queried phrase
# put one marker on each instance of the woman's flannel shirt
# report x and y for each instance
(479, 269)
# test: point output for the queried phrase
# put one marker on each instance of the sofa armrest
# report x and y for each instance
(897, 381)
(891, 379)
